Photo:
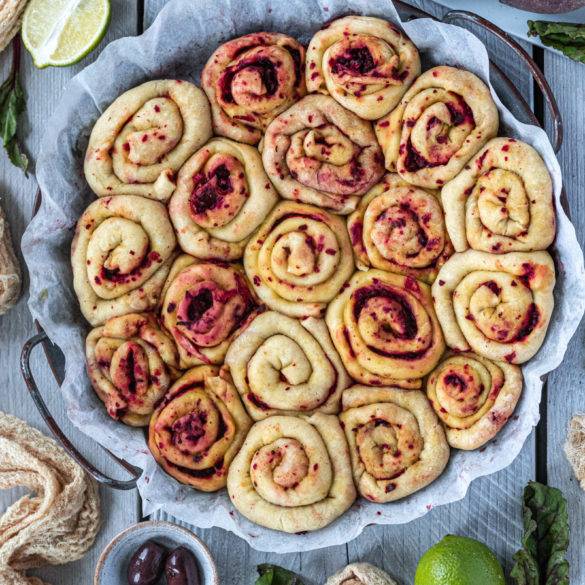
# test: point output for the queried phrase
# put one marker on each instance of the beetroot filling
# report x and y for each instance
(266, 69)
(356, 60)
(529, 323)
(209, 194)
(456, 381)
(191, 427)
(114, 274)
(130, 366)
(199, 305)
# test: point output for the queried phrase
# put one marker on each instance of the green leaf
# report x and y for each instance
(275, 575)
(566, 37)
(546, 538)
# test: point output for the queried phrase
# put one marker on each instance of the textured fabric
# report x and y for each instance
(575, 447)
(58, 521)
(10, 15)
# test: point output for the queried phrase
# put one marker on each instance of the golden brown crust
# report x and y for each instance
(205, 305)
(474, 397)
(120, 255)
(252, 79)
(385, 329)
(399, 228)
(320, 153)
(299, 259)
(364, 63)
(284, 366)
(445, 117)
(502, 201)
(293, 474)
(131, 363)
(498, 306)
(222, 196)
(144, 137)
(396, 441)
(198, 428)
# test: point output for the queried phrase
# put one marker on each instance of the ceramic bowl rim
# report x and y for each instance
(155, 524)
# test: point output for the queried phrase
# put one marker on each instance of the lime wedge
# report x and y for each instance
(62, 32)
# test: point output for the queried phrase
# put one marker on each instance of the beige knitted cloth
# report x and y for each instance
(575, 447)
(360, 574)
(58, 521)
(10, 15)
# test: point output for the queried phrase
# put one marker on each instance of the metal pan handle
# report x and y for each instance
(56, 430)
(535, 70)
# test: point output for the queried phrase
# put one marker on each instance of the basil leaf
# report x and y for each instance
(566, 37)
(275, 575)
(12, 105)
(546, 538)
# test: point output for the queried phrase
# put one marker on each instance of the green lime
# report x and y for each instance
(458, 560)
(62, 32)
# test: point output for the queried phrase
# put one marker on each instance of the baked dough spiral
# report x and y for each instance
(399, 228)
(299, 259)
(131, 363)
(144, 137)
(502, 201)
(396, 442)
(252, 79)
(198, 428)
(320, 153)
(205, 305)
(497, 305)
(474, 397)
(120, 255)
(385, 329)
(445, 117)
(293, 474)
(284, 366)
(365, 63)
(222, 196)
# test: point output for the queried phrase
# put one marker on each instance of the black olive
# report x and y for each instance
(181, 568)
(147, 564)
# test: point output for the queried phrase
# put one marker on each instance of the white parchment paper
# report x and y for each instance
(178, 45)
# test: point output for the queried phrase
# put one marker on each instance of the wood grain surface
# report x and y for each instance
(491, 510)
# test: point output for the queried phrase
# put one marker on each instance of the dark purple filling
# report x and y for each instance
(529, 323)
(265, 68)
(114, 274)
(199, 305)
(493, 286)
(456, 381)
(296, 57)
(210, 191)
(356, 60)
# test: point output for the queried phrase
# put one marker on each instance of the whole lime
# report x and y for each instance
(458, 560)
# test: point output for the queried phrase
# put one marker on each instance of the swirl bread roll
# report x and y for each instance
(142, 139)
(299, 259)
(396, 441)
(222, 196)
(205, 306)
(320, 153)
(284, 366)
(399, 228)
(445, 117)
(293, 474)
(251, 80)
(131, 363)
(198, 428)
(502, 201)
(474, 397)
(364, 63)
(385, 329)
(120, 255)
(499, 306)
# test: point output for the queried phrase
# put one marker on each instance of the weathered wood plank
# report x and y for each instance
(566, 386)
(43, 89)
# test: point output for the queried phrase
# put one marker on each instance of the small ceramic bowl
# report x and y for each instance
(113, 562)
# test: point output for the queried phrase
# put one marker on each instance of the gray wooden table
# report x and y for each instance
(491, 510)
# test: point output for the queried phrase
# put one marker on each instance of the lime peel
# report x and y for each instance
(62, 32)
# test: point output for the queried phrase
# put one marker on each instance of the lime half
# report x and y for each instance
(458, 560)
(62, 32)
